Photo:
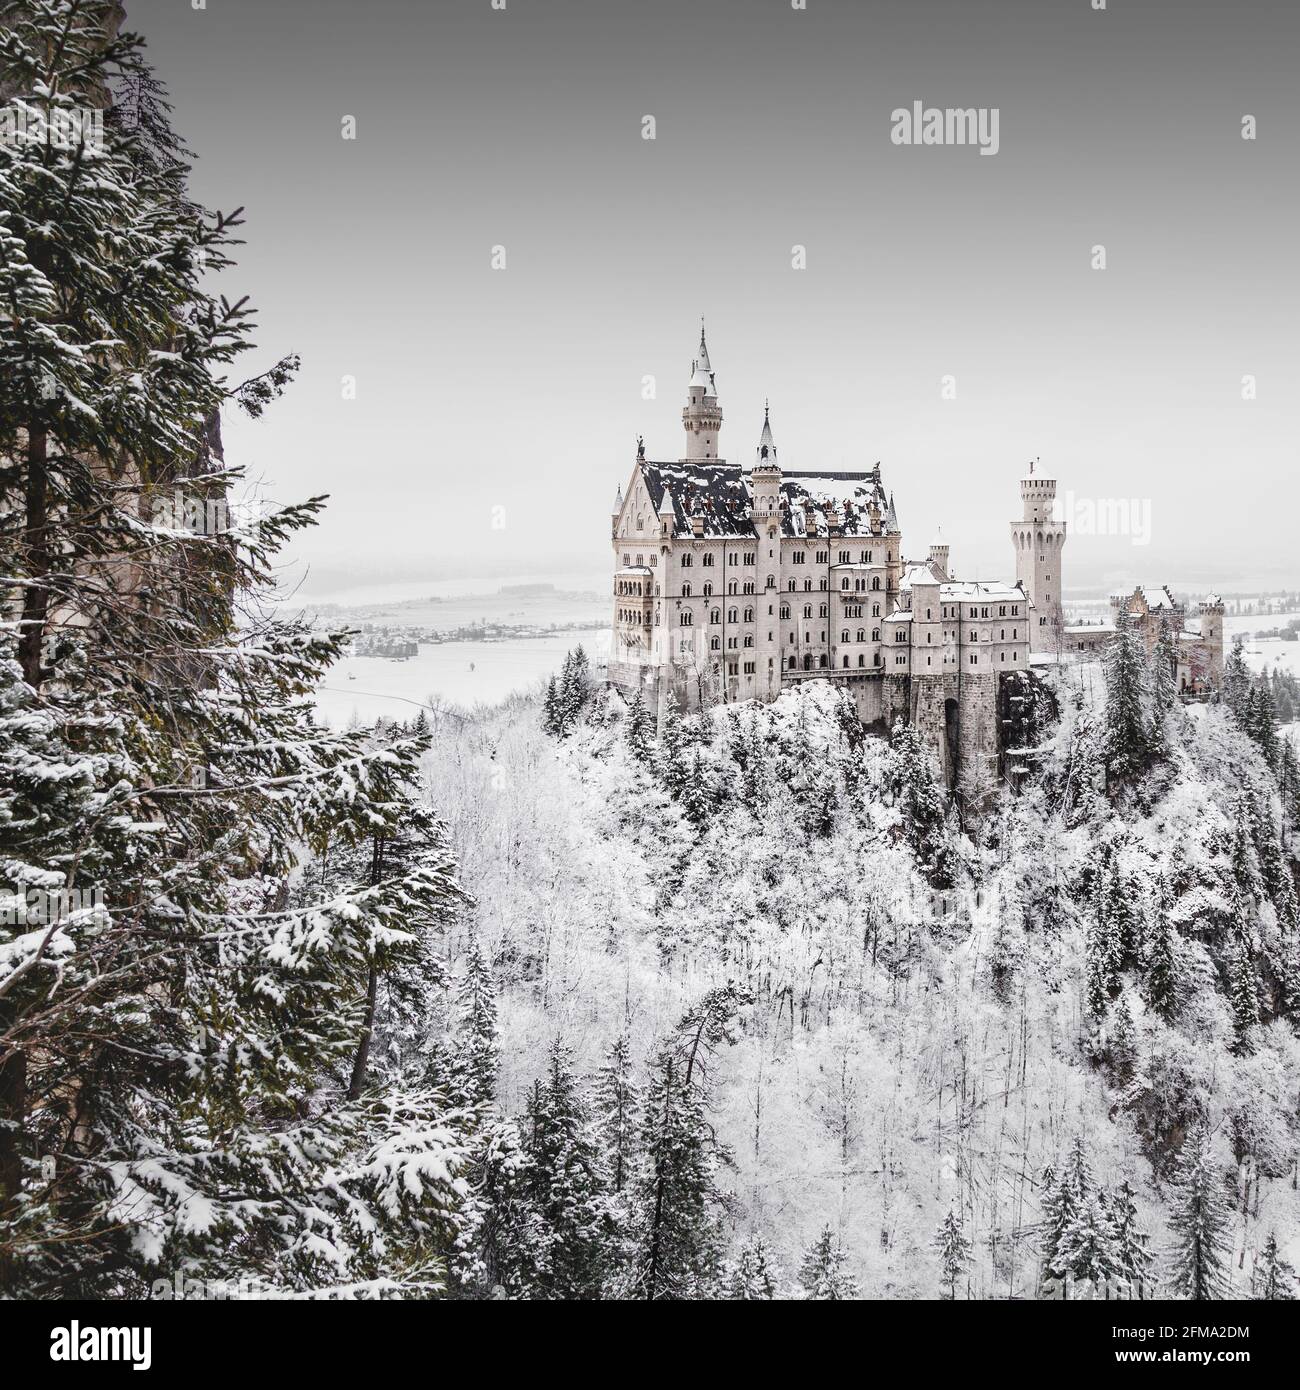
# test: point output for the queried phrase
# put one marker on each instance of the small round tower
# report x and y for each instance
(702, 416)
(1038, 538)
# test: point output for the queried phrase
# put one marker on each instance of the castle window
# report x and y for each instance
(844, 583)
(749, 615)
(714, 644)
(715, 615)
(686, 591)
(785, 610)
(862, 660)
(749, 586)
(807, 586)
(844, 636)
(844, 557)
(824, 555)
(749, 668)
(707, 559)
(862, 634)
(749, 557)
(875, 610)
(749, 641)
(731, 586)
(732, 615)
(875, 634)
(846, 663)
(821, 661)
(686, 619)
(865, 558)
(974, 658)
(822, 610)
(686, 559)
(797, 557)
(790, 587)
(807, 610)
(771, 581)
(794, 661)
(823, 584)
(732, 643)
(708, 589)
(875, 581)
(627, 559)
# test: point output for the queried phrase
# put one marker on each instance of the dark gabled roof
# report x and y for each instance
(720, 494)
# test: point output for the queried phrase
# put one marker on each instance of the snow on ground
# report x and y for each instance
(459, 673)
(1271, 653)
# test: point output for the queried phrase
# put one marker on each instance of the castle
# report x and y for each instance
(733, 583)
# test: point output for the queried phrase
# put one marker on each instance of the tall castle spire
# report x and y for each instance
(702, 416)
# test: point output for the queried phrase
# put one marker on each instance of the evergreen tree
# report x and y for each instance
(1087, 1245)
(1199, 1221)
(676, 1222)
(1164, 968)
(476, 1044)
(1243, 985)
(824, 1275)
(1131, 1242)
(185, 1046)
(617, 1102)
(1164, 687)
(1235, 683)
(954, 1252)
(1123, 1042)
(1274, 1278)
(640, 728)
(574, 1235)
(551, 723)
(755, 1275)
(1059, 1206)
(1127, 737)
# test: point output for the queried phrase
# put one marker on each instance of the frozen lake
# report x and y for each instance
(458, 673)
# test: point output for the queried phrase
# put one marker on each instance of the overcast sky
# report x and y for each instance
(521, 388)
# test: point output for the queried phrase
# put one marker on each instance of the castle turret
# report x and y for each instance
(939, 554)
(1212, 637)
(1038, 538)
(765, 477)
(702, 416)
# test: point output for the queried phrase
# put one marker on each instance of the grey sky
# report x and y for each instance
(521, 388)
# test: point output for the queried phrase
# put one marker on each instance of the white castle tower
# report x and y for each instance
(702, 416)
(1038, 539)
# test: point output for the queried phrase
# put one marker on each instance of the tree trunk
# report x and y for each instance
(367, 1032)
(36, 595)
(13, 1114)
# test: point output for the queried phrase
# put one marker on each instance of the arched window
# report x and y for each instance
(714, 644)
(846, 663)
(862, 634)
(875, 634)
(844, 637)
(715, 615)
(749, 615)
(686, 619)
(731, 615)
(807, 610)
(875, 581)
(686, 591)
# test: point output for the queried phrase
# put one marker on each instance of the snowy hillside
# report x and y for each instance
(1076, 982)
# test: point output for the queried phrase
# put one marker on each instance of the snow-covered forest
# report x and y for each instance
(1027, 1055)
(542, 1001)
